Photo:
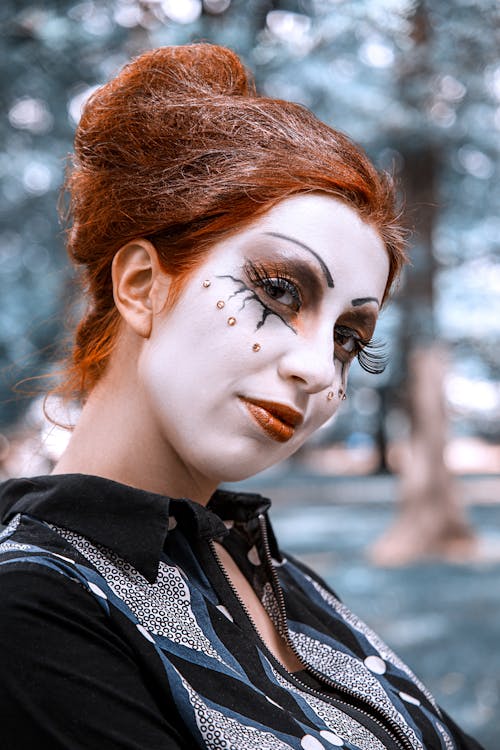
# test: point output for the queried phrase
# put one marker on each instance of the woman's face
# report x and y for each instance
(253, 357)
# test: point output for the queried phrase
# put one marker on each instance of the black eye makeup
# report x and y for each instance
(275, 283)
(280, 288)
(284, 287)
(348, 344)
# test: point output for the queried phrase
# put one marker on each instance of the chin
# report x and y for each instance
(235, 468)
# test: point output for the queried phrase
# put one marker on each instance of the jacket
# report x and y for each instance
(120, 629)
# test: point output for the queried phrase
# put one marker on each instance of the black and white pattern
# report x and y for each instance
(163, 608)
(385, 652)
(222, 732)
(347, 728)
(448, 742)
(348, 671)
(11, 527)
(225, 690)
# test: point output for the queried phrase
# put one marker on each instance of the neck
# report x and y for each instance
(114, 439)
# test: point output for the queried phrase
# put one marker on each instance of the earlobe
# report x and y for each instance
(136, 275)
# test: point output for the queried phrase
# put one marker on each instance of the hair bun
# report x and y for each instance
(202, 68)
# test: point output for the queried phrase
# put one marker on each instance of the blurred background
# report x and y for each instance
(395, 501)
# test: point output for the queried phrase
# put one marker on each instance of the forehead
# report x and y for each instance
(324, 232)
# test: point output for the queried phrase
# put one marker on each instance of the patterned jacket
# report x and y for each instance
(120, 629)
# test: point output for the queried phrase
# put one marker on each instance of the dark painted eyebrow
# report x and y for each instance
(363, 301)
(324, 267)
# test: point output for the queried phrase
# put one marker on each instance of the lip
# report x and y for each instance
(277, 420)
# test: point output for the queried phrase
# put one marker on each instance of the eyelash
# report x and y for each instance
(371, 355)
(275, 280)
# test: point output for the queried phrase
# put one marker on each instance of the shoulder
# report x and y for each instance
(44, 588)
(81, 671)
(41, 596)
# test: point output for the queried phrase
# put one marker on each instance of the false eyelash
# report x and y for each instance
(373, 357)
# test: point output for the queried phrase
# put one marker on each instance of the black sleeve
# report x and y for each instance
(67, 680)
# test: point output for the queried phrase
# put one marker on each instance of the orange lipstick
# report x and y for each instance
(277, 420)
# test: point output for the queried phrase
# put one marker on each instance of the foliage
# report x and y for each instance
(407, 79)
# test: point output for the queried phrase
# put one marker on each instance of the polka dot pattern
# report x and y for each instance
(409, 698)
(218, 718)
(9, 546)
(375, 664)
(271, 606)
(308, 742)
(449, 744)
(11, 527)
(352, 673)
(338, 722)
(332, 738)
(372, 638)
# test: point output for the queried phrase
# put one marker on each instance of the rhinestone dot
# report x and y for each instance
(330, 395)
(231, 321)
(206, 283)
(221, 304)
(256, 347)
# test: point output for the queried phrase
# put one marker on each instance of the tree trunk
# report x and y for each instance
(431, 522)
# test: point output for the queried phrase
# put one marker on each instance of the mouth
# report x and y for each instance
(277, 420)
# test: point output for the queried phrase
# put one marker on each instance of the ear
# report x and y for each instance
(140, 286)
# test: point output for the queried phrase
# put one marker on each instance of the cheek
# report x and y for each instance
(234, 327)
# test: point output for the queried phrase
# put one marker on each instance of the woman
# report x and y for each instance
(235, 254)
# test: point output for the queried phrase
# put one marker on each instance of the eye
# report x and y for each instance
(283, 291)
(371, 354)
(348, 343)
(275, 285)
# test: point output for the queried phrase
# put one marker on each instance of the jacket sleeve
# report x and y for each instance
(67, 680)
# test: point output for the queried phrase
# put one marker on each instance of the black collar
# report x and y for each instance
(131, 522)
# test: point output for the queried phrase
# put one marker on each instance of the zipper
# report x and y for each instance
(397, 734)
(394, 732)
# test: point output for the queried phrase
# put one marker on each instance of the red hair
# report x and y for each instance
(179, 149)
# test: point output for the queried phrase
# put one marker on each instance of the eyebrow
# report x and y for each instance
(363, 301)
(324, 267)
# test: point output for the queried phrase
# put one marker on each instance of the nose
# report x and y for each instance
(309, 361)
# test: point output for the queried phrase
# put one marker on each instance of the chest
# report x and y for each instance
(229, 687)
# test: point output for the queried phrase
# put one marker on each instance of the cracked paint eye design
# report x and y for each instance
(272, 288)
(285, 290)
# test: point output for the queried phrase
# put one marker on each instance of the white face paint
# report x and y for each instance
(228, 400)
